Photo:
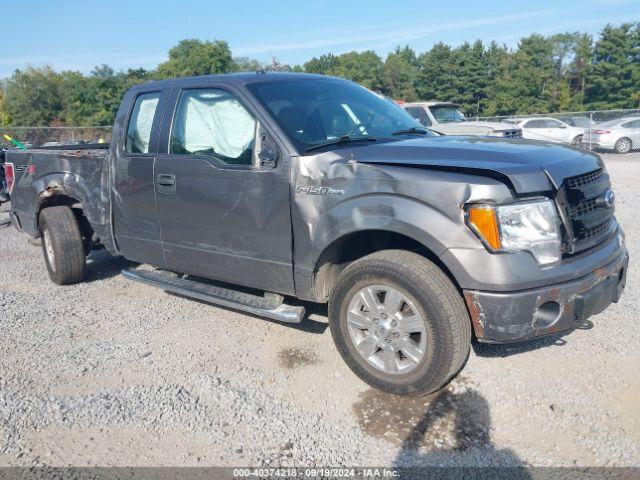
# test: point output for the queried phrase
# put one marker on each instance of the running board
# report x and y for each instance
(269, 306)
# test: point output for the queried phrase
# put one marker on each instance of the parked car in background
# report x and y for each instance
(620, 135)
(446, 118)
(550, 130)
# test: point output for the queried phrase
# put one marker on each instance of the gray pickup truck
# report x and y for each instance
(257, 191)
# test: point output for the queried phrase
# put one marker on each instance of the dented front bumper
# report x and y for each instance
(502, 317)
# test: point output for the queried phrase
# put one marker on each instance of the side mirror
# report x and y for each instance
(267, 149)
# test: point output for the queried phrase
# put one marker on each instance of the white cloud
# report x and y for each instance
(387, 38)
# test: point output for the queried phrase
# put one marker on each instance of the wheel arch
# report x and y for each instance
(351, 246)
(55, 195)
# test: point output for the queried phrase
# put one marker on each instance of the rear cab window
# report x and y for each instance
(140, 123)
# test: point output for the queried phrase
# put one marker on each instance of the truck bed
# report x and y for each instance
(78, 171)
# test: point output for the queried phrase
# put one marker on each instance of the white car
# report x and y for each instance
(550, 130)
(446, 118)
(620, 135)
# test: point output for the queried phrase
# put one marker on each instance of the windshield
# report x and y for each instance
(313, 112)
(446, 114)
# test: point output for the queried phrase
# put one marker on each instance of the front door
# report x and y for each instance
(223, 215)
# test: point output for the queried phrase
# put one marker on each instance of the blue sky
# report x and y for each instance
(75, 34)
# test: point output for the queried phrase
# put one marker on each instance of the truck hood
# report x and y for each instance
(528, 165)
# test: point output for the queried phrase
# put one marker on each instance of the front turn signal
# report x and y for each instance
(485, 223)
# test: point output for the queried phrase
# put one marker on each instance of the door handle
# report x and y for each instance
(166, 183)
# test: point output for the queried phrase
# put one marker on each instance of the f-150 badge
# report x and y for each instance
(317, 190)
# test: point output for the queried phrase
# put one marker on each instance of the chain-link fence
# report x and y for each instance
(614, 131)
(49, 136)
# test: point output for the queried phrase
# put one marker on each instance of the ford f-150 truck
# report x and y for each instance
(256, 191)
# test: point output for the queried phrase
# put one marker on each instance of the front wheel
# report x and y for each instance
(62, 245)
(399, 322)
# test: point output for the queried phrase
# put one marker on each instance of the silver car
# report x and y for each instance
(620, 135)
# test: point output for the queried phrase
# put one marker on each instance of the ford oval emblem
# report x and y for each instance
(609, 198)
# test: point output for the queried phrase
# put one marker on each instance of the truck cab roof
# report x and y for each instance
(243, 78)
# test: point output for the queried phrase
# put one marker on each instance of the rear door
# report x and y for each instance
(534, 129)
(223, 215)
(135, 215)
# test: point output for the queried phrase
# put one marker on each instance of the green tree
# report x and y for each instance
(497, 60)
(435, 73)
(400, 74)
(4, 115)
(94, 100)
(323, 65)
(276, 66)
(244, 64)
(580, 68)
(614, 80)
(527, 85)
(364, 68)
(197, 57)
(33, 96)
(470, 77)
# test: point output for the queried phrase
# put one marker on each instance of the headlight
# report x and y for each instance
(529, 226)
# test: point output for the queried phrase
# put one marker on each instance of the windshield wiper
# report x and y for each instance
(345, 139)
(410, 131)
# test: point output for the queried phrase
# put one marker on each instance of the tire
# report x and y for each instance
(62, 245)
(577, 141)
(442, 319)
(623, 145)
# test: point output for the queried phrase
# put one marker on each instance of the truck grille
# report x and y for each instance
(589, 219)
(512, 133)
(585, 179)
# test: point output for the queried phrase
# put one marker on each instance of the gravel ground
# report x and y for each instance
(112, 372)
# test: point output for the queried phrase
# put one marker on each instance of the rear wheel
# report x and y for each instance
(577, 141)
(623, 145)
(62, 245)
(399, 322)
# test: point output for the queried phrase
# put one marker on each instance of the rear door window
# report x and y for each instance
(535, 124)
(212, 122)
(553, 123)
(140, 123)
